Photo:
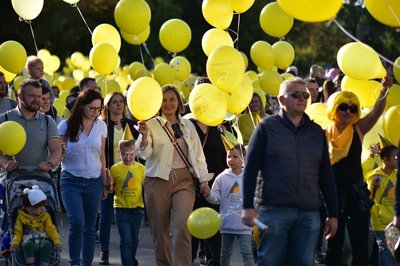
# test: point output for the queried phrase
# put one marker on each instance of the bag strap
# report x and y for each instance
(205, 138)
(176, 145)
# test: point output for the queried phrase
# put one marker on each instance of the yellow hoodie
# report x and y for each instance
(39, 224)
(382, 211)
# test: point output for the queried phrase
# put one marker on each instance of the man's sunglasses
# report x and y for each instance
(344, 107)
(298, 94)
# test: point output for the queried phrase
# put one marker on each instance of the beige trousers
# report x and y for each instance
(170, 201)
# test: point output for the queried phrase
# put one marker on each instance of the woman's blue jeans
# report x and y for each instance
(106, 215)
(128, 224)
(81, 197)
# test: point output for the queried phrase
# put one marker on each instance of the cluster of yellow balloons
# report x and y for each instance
(204, 222)
(12, 138)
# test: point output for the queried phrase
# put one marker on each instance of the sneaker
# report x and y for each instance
(319, 258)
(203, 260)
(104, 258)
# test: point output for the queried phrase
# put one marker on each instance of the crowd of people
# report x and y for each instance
(301, 181)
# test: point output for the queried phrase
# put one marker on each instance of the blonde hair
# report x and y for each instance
(126, 144)
(32, 60)
(340, 97)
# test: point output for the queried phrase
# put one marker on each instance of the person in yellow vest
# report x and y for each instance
(381, 182)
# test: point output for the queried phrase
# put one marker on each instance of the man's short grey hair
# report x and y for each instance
(288, 83)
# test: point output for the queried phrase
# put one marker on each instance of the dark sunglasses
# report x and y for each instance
(177, 131)
(344, 107)
(298, 94)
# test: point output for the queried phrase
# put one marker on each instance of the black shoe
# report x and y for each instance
(104, 258)
(319, 258)
(203, 260)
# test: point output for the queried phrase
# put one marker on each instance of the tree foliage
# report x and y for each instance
(60, 29)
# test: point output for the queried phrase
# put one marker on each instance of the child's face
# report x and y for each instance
(234, 159)
(127, 155)
(35, 211)
(392, 160)
(36, 70)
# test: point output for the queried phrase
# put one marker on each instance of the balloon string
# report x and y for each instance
(142, 58)
(80, 13)
(238, 29)
(148, 52)
(33, 35)
(257, 222)
(251, 116)
(357, 40)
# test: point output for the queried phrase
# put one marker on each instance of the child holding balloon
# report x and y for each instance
(227, 192)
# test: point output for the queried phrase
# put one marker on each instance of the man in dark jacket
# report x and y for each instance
(291, 152)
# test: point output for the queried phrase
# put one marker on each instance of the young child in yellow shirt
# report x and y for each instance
(127, 177)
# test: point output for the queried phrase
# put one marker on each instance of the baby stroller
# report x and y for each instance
(16, 182)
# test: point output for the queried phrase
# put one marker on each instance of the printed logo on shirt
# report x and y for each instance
(129, 181)
(234, 189)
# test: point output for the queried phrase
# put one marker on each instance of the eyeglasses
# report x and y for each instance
(344, 107)
(94, 109)
(298, 94)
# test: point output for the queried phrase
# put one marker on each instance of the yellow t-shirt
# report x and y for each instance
(128, 185)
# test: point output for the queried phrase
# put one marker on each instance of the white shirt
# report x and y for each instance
(83, 157)
(159, 152)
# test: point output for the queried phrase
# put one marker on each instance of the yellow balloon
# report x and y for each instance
(17, 81)
(159, 60)
(109, 85)
(311, 10)
(142, 72)
(58, 83)
(132, 16)
(12, 56)
(175, 35)
(12, 138)
(385, 11)
(391, 124)
(108, 34)
(123, 83)
(164, 74)
(262, 54)
(393, 97)
(59, 104)
(77, 59)
(396, 69)
(103, 58)
(78, 74)
(187, 86)
(214, 38)
(245, 59)
(43, 54)
(287, 75)
(67, 82)
(53, 63)
(208, 104)
(284, 54)
(8, 75)
(181, 67)
(270, 82)
(204, 222)
(135, 66)
(274, 21)
(240, 6)
(372, 137)
(240, 96)
(318, 113)
(360, 61)
(225, 68)
(252, 75)
(144, 98)
(136, 39)
(27, 9)
(366, 91)
(63, 95)
(72, 2)
(217, 13)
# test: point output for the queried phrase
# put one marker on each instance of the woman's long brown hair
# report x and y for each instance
(75, 121)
